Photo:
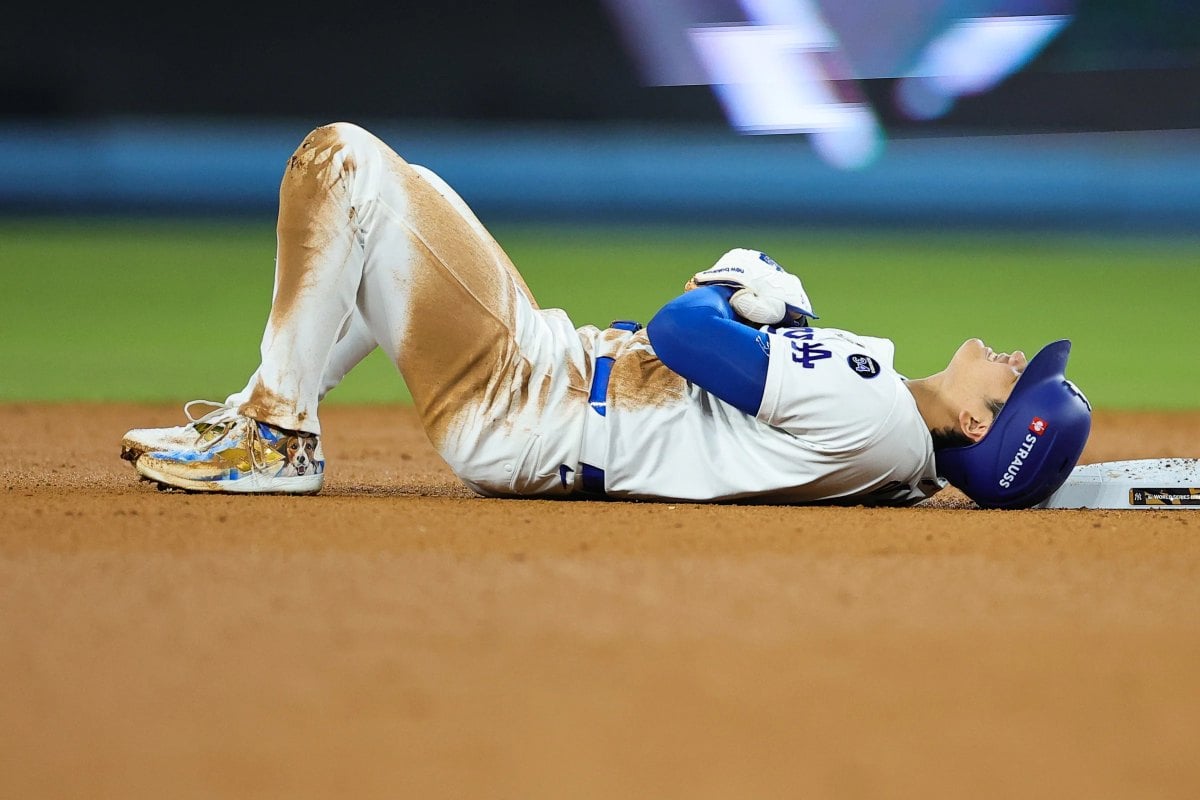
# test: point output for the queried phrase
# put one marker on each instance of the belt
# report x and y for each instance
(595, 442)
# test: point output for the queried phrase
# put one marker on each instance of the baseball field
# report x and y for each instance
(396, 636)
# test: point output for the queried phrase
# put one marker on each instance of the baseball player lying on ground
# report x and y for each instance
(728, 394)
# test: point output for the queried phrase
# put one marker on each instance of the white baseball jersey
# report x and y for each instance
(836, 423)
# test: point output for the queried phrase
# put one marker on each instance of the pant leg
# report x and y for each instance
(318, 269)
(352, 345)
(363, 233)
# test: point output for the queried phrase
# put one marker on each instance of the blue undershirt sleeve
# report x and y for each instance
(698, 336)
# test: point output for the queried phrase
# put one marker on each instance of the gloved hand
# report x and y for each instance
(766, 295)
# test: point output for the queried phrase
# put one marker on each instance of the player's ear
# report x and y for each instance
(974, 429)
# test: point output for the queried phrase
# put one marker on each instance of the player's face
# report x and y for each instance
(982, 372)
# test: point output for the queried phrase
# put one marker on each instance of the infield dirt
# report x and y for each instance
(396, 636)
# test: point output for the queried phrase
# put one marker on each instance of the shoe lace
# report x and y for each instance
(221, 419)
(256, 446)
(219, 410)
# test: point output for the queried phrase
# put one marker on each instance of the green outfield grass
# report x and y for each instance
(170, 311)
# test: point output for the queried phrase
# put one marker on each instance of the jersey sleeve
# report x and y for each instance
(829, 387)
(697, 336)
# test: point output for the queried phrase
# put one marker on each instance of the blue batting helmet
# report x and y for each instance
(1034, 442)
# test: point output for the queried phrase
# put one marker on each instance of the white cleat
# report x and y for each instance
(235, 454)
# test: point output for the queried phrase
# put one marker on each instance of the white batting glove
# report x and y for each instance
(766, 295)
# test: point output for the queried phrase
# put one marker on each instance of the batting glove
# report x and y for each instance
(766, 294)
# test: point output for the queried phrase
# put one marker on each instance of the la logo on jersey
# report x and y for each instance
(1038, 426)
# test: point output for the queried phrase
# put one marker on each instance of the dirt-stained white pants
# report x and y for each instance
(375, 251)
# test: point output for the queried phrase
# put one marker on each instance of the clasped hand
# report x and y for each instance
(766, 294)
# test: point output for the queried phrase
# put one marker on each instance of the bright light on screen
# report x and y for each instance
(791, 66)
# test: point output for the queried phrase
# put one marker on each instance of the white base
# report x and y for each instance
(1153, 484)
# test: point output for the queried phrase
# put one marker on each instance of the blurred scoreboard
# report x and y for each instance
(792, 66)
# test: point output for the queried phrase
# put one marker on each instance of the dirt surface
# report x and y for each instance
(397, 637)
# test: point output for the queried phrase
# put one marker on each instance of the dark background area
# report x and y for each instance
(1120, 65)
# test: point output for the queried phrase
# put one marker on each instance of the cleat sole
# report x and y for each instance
(248, 484)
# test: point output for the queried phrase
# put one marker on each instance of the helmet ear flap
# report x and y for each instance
(1033, 443)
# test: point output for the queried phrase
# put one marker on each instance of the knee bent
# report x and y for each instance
(348, 137)
(335, 133)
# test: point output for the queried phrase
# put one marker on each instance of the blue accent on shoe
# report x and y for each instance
(271, 434)
(181, 455)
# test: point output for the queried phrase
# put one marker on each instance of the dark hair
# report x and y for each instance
(952, 437)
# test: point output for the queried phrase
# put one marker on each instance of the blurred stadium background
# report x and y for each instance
(1021, 170)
